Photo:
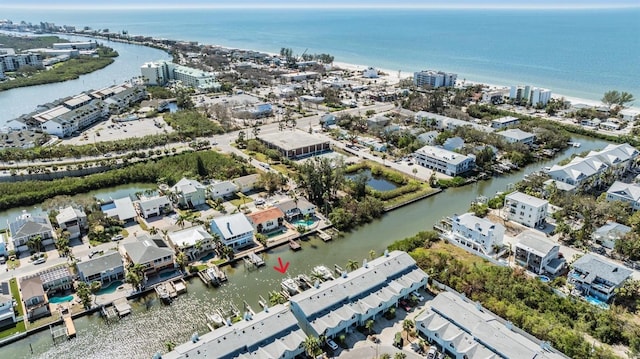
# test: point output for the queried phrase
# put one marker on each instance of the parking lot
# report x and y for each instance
(112, 131)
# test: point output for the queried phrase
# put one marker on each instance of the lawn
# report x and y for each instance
(13, 264)
(20, 326)
(241, 201)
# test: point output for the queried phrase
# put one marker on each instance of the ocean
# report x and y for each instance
(578, 53)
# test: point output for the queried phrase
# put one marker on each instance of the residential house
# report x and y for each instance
(377, 122)
(272, 333)
(189, 193)
(525, 209)
(247, 183)
(516, 135)
(625, 192)
(7, 311)
(610, 233)
(267, 220)
(613, 159)
(442, 123)
(428, 138)
(104, 268)
(453, 144)
(235, 230)
(504, 122)
(629, 114)
(121, 209)
(153, 206)
(149, 251)
(56, 279)
(222, 189)
(538, 254)
(193, 241)
(597, 277)
(26, 227)
(441, 160)
(296, 208)
(36, 302)
(594, 122)
(366, 293)
(72, 220)
(327, 120)
(479, 234)
(370, 73)
(463, 329)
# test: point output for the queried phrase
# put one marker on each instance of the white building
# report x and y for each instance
(121, 209)
(370, 73)
(538, 254)
(434, 79)
(84, 45)
(525, 209)
(597, 277)
(504, 122)
(629, 114)
(153, 206)
(222, 189)
(441, 160)
(193, 241)
(159, 73)
(625, 192)
(189, 193)
(72, 220)
(447, 123)
(26, 227)
(609, 234)
(235, 230)
(615, 158)
(13, 62)
(533, 95)
(476, 233)
(466, 330)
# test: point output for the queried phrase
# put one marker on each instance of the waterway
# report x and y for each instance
(17, 102)
(152, 324)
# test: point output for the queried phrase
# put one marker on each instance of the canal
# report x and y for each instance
(152, 324)
(19, 101)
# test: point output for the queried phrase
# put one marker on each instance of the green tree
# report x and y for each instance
(35, 243)
(407, 326)
(181, 260)
(311, 345)
(372, 254)
(83, 290)
(352, 265)
(135, 276)
(276, 298)
(399, 355)
(368, 325)
(201, 168)
(617, 98)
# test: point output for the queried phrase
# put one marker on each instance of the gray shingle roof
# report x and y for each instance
(145, 250)
(108, 261)
(602, 268)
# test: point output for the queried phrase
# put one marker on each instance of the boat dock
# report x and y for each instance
(109, 313)
(324, 235)
(68, 329)
(180, 286)
(213, 275)
(122, 307)
(255, 259)
(294, 245)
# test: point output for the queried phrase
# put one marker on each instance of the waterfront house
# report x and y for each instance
(298, 145)
(235, 230)
(442, 123)
(629, 114)
(441, 160)
(189, 193)
(104, 269)
(193, 241)
(7, 312)
(478, 234)
(613, 159)
(247, 183)
(153, 206)
(525, 209)
(464, 329)
(538, 254)
(36, 302)
(366, 293)
(610, 233)
(222, 189)
(296, 208)
(149, 251)
(272, 333)
(28, 226)
(267, 220)
(597, 277)
(516, 135)
(453, 143)
(625, 192)
(370, 73)
(594, 122)
(121, 209)
(72, 220)
(56, 279)
(504, 122)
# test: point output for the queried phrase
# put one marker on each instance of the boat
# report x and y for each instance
(290, 286)
(303, 281)
(323, 271)
(163, 294)
(216, 275)
(216, 318)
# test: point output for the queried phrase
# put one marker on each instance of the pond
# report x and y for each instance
(379, 183)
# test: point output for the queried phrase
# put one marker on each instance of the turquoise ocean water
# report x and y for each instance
(580, 53)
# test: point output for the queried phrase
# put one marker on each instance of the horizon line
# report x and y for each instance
(328, 6)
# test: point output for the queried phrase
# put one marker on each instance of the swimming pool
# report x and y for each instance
(596, 301)
(110, 288)
(302, 222)
(208, 257)
(57, 300)
(544, 278)
(108, 206)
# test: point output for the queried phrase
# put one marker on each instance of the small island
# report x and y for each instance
(48, 59)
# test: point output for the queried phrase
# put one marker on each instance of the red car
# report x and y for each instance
(404, 305)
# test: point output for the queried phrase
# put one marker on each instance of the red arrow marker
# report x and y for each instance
(282, 268)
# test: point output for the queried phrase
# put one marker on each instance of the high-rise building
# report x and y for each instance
(434, 79)
(159, 73)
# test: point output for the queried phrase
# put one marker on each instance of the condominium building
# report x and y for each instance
(441, 160)
(516, 135)
(447, 123)
(525, 209)
(478, 234)
(161, 72)
(13, 62)
(625, 192)
(434, 79)
(533, 95)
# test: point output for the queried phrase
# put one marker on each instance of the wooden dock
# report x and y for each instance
(122, 306)
(255, 259)
(180, 285)
(109, 313)
(324, 235)
(294, 245)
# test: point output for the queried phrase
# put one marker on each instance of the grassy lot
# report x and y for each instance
(424, 190)
(20, 326)
(241, 200)
(13, 264)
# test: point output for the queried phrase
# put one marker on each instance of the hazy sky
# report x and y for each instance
(322, 3)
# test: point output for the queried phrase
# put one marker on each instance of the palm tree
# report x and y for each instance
(153, 231)
(372, 254)
(407, 325)
(182, 219)
(399, 355)
(352, 265)
(311, 345)
(385, 356)
(181, 260)
(62, 244)
(276, 297)
(35, 243)
(135, 276)
(368, 325)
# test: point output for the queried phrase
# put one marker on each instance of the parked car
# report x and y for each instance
(117, 237)
(332, 344)
(404, 305)
(259, 201)
(40, 260)
(432, 353)
(417, 295)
